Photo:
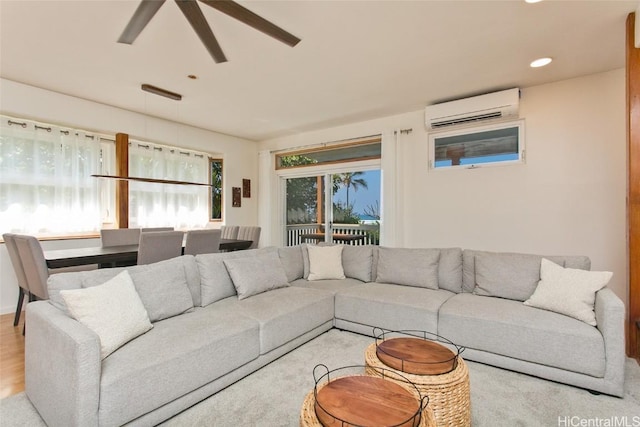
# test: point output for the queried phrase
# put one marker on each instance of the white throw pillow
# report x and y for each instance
(325, 262)
(112, 310)
(568, 291)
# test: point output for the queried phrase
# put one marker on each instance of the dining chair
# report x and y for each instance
(202, 241)
(148, 229)
(247, 232)
(35, 267)
(23, 288)
(119, 236)
(159, 245)
(229, 231)
(34, 264)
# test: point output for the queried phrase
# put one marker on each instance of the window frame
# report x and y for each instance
(211, 189)
(329, 147)
(472, 130)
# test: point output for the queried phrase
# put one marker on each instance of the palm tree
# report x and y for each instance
(350, 180)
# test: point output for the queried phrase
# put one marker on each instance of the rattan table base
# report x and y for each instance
(308, 417)
(449, 394)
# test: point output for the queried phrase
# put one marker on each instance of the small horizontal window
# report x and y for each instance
(478, 146)
(360, 150)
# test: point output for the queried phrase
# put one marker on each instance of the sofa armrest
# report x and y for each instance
(610, 317)
(62, 367)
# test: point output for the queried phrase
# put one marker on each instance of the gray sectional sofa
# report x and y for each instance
(216, 318)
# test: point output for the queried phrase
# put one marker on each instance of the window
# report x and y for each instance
(337, 197)
(216, 189)
(472, 147)
(338, 153)
(159, 205)
(46, 188)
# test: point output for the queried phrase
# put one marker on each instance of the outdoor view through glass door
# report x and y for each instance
(352, 200)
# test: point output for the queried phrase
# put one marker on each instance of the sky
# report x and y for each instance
(362, 197)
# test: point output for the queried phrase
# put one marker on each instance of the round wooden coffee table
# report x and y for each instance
(364, 400)
(431, 367)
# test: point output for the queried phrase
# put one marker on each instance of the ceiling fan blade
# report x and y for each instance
(192, 12)
(143, 14)
(244, 15)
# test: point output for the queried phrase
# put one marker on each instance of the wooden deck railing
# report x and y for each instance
(369, 231)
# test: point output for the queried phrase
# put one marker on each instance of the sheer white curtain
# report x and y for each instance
(46, 186)
(157, 205)
(268, 212)
(391, 226)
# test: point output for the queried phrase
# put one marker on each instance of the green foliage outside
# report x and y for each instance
(301, 193)
(343, 214)
(216, 189)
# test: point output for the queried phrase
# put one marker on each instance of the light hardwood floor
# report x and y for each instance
(11, 356)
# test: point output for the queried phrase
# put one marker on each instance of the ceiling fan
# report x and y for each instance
(190, 9)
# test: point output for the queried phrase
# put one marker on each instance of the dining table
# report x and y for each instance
(112, 255)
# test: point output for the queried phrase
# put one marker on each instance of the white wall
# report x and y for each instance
(568, 199)
(240, 155)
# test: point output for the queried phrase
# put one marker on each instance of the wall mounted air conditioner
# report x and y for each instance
(491, 106)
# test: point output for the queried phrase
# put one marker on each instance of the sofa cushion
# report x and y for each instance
(163, 291)
(410, 267)
(390, 306)
(569, 291)
(112, 310)
(450, 269)
(305, 260)
(216, 284)
(512, 329)
(512, 276)
(325, 262)
(291, 259)
(285, 313)
(177, 356)
(186, 264)
(162, 286)
(357, 262)
(254, 275)
(76, 280)
(520, 261)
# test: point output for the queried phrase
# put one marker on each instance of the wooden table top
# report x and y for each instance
(364, 400)
(416, 356)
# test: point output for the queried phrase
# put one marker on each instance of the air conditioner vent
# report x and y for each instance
(491, 106)
(460, 121)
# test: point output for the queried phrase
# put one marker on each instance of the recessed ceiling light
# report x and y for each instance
(540, 62)
(192, 76)
(533, 1)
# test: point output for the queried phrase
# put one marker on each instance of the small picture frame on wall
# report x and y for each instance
(246, 188)
(236, 197)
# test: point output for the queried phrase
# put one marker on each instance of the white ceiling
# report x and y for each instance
(357, 60)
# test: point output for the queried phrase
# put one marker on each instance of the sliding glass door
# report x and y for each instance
(340, 207)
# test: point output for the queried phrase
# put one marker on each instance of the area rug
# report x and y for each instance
(273, 395)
